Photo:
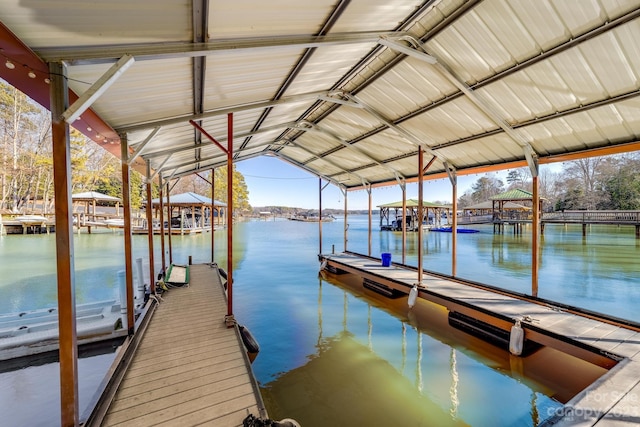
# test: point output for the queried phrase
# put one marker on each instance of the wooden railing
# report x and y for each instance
(594, 217)
(578, 217)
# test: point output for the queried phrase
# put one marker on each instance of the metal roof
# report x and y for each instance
(89, 196)
(515, 194)
(188, 199)
(488, 205)
(412, 203)
(347, 90)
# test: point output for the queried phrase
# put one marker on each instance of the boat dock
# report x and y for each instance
(589, 336)
(188, 367)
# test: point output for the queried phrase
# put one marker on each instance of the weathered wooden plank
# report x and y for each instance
(629, 347)
(587, 407)
(183, 391)
(150, 352)
(613, 338)
(189, 362)
(226, 414)
(220, 370)
(209, 402)
(625, 413)
(165, 361)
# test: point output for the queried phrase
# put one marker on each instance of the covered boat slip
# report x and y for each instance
(597, 339)
(189, 368)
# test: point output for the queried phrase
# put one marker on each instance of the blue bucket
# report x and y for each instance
(386, 259)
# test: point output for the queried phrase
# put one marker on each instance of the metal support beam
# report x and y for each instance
(320, 215)
(140, 147)
(335, 165)
(68, 352)
(346, 223)
(453, 177)
(419, 51)
(535, 244)
(229, 152)
(370, 212)
(151, 51)
(306, 169)
(340, 101)
(159, 168)
(223, 111)
(98, 88)
(404, 222)
(405, 134)
(407, 50)
(312, 127)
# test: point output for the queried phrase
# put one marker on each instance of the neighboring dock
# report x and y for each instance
(599, 340)
(189, 368)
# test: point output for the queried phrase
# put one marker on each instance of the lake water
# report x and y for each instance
(333, 354)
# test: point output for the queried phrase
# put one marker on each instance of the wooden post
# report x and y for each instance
(68, 352)
(128, 253)
(152, 276)
(193, 218)
(535, 222)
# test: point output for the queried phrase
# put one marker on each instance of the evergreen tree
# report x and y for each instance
(485, 188)
(240, 190)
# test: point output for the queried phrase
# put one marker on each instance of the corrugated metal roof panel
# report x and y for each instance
(253, 19)
(159, 92)
(77, 23)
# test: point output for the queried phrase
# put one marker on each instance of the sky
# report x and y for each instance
(273, 182)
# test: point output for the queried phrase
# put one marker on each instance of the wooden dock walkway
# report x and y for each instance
(189, 369)
(612, 400)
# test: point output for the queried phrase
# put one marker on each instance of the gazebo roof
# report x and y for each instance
(412, 203)
(489, 205)
(91, 196)
(188, 199)
(515, 194)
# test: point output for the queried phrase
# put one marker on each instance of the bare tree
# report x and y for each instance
(587, 172)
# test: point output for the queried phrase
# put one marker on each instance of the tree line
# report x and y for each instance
(595, 183)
